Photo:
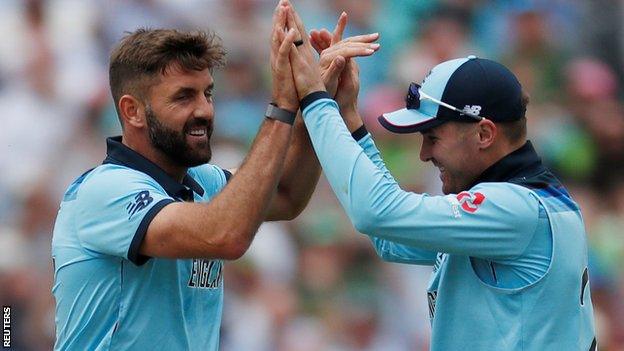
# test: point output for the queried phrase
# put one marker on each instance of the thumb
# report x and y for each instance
(336, 66)
(331, 76)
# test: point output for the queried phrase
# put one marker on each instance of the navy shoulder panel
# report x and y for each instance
(546, 185)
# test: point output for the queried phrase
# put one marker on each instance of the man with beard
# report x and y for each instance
(139, 241)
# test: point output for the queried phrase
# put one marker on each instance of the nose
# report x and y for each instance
(425, 150)
(204, 108)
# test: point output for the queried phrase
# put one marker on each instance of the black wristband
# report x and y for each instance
(310, 98)
(280, 114)
(359, 133)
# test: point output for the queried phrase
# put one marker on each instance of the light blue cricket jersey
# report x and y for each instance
(108, 296)
(509, 255)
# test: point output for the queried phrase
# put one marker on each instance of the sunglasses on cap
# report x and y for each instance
(415, 95)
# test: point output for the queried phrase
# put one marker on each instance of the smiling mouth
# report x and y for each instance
(441, 169)
(198, 132)
(438, 166)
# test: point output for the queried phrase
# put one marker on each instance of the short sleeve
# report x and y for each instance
(115, 206)
(212, 178)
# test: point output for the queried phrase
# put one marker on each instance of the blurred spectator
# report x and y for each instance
(535, 56)
(444, 36)
(240, 99)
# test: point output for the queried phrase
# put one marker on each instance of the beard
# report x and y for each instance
(174, 144)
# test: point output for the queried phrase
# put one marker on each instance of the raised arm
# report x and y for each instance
(378, 206)
(299, 178)
(302, 169)
(331, 46)
(225, 227)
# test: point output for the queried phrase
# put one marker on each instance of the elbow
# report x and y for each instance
(294, 212)
(287, 214)
(373, 214)
(234, 251)
(293, 205)
(233, 245)
(362, 225)
(363, 220)
(286, 208)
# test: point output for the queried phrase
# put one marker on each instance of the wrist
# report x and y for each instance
(278, 113)
(359, 133)
(286, 105)
(313, 89)
(313, 96)
(352, 118)
(348, 108)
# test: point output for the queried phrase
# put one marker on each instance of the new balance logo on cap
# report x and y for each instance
(474, 109)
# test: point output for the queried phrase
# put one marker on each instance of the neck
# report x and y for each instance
(502, 150)
(145, 149)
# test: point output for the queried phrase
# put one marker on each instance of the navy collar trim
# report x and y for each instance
(522, 163)
(120, 154)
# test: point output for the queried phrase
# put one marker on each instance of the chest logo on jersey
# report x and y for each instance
(141, 200)
(470, 202)
(206, 274)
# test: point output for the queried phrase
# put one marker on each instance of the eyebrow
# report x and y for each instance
(192, 90)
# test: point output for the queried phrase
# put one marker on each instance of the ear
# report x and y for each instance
(132, 111)
(487, 133)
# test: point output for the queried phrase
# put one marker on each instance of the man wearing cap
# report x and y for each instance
(506, 241)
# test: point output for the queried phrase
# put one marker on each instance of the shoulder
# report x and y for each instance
(112, 181)
(210, 176)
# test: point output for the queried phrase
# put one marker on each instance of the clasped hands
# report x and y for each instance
(295, 71)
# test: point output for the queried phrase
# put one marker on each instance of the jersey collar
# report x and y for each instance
(522, 163)
(119, 154)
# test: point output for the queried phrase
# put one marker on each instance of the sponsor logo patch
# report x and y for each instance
(470, 202)
(141, 200)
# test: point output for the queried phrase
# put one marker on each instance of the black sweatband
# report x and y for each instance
(280, 114)
(359, 133)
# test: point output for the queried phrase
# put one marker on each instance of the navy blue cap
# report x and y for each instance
(479, 87)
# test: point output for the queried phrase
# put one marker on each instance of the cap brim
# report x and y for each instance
(405, 121)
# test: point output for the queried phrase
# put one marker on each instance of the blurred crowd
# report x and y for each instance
(313, 283)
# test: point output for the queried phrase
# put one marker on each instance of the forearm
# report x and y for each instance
(368, 145)
(336, 149)
(351, 117)
(386, 249)
(225, 227)
(300, 176)
(393, 252)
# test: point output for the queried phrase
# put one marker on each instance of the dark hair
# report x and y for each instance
(145, 53)
(516, 130)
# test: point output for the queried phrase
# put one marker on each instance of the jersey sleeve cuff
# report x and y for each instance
(133, 252)
(310, 98)
(359, 133)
